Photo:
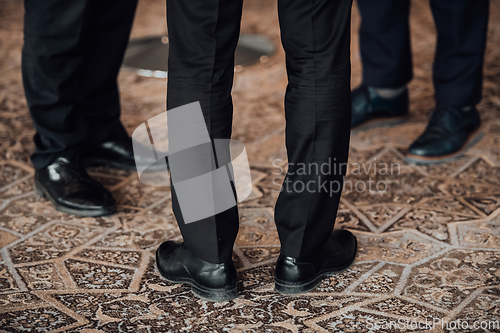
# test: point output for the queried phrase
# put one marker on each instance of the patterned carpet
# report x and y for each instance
(429, 245)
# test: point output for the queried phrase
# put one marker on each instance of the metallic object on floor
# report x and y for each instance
(149, 56)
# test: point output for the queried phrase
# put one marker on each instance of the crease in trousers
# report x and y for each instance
(315, 35)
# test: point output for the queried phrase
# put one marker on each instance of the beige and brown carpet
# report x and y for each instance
(429, 246)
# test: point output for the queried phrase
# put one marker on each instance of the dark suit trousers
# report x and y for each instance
(73, 50)
(316, 38)
(461, 39)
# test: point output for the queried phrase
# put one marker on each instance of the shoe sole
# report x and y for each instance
(40, 190)
(206, 294)
(381, 122)
(474, 138)
(288, 289)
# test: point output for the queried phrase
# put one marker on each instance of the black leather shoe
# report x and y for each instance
(370, 110)
(449, 132)
(70, 188)
(119, 154)
(208, 281)
(294, 276)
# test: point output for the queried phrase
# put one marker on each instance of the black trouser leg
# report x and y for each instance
(62, 38)
(203, 37)
(316, 39)
(52, 56)
(384, 39)
(107, 36)
(458, 65)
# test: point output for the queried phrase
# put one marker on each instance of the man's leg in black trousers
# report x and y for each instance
(316, 39)
(203, 37)
(65, 76)
(458, 78)
(52, 59)
(458, 65)
(69, 71)
(107, 36)
(384, 42)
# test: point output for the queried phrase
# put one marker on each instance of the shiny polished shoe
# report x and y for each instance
(294, 276)
(449, 132)
(71, 190)
(369, 110)
(119, 154)
(210, 282)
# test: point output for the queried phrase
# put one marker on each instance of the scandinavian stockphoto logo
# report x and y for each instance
(208, 176)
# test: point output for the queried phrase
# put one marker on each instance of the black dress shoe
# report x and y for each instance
(120, 154)
(370, 110)
(70, 188)
(208, 281)
(294, 276)
(449, 132)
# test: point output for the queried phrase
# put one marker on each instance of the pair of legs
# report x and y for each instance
(73, 50)
(382, 99)
(72, 53)
(316, 37)
(384, 38)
